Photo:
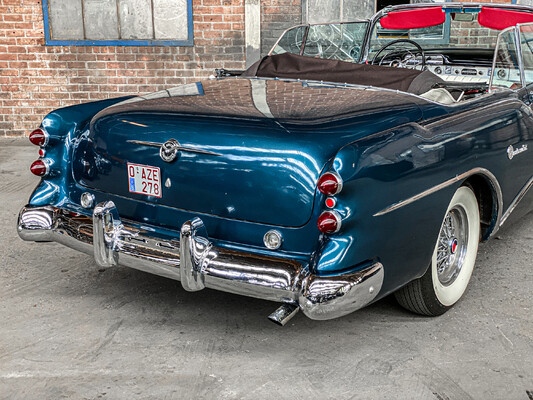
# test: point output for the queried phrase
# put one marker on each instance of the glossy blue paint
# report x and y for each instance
(52, 42)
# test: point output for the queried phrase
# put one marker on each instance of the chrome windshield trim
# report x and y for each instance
(519, 56)
(307, 30)
(516, 200)
(476, 171)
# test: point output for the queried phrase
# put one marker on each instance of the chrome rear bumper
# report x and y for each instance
(197, 263)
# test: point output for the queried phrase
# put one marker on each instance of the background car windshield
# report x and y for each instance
(459, 30)
(506, 65)
(341, 41)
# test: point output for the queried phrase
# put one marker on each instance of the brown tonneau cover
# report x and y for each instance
(294, 66)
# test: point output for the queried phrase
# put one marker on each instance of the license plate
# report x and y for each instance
(144, 179)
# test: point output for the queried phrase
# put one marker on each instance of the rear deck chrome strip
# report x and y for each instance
(179, 147)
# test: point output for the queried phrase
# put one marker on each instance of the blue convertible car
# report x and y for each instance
(355, 160)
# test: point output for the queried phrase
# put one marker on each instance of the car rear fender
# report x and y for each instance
(63, 127)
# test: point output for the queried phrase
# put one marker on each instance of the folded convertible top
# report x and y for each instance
(294, 66)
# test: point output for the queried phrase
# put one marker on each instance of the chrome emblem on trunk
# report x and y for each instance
(169, 150)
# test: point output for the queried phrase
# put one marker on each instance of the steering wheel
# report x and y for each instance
(420, 49)
(323, 40)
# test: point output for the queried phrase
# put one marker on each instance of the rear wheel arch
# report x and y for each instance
(489, 196)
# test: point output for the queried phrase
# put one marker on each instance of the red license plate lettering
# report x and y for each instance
(144, 179)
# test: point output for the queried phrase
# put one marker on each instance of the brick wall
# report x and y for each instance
(276, 16)
(35, 79)
(470, 34)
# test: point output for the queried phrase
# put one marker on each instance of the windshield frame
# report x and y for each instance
(368, 23)
(445, 6)
(517, 37)
(372, 22)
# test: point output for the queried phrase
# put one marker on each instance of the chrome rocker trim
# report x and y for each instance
(198, 264)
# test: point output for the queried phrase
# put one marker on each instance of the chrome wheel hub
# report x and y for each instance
(452, 245)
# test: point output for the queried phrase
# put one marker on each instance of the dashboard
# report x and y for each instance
(458, 70)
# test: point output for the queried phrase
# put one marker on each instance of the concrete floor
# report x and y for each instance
(70, 330)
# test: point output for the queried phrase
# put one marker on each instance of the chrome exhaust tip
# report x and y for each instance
(284, 314)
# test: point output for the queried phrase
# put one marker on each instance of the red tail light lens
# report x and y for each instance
(39, 168)
(39, 137)
(329, 222)
(330, 184)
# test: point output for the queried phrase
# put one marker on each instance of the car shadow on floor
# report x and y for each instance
(162, 298)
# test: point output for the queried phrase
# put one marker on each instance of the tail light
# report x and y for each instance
(330, 184)
(39, 137)
(39, 168)
(329, 222)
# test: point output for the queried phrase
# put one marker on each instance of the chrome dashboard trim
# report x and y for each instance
(198, 263)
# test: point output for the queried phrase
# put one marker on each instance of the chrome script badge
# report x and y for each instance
(511, 151)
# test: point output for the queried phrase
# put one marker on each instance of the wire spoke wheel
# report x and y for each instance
(452, 245)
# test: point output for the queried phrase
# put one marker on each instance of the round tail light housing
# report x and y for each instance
(39, 168)
(39, 137)
(330, 184)
(329, 222)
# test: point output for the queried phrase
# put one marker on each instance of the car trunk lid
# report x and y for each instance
(249, 150)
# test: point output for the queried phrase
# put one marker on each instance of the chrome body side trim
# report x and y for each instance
(497, 192)
(198, 264)
(516, 200)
